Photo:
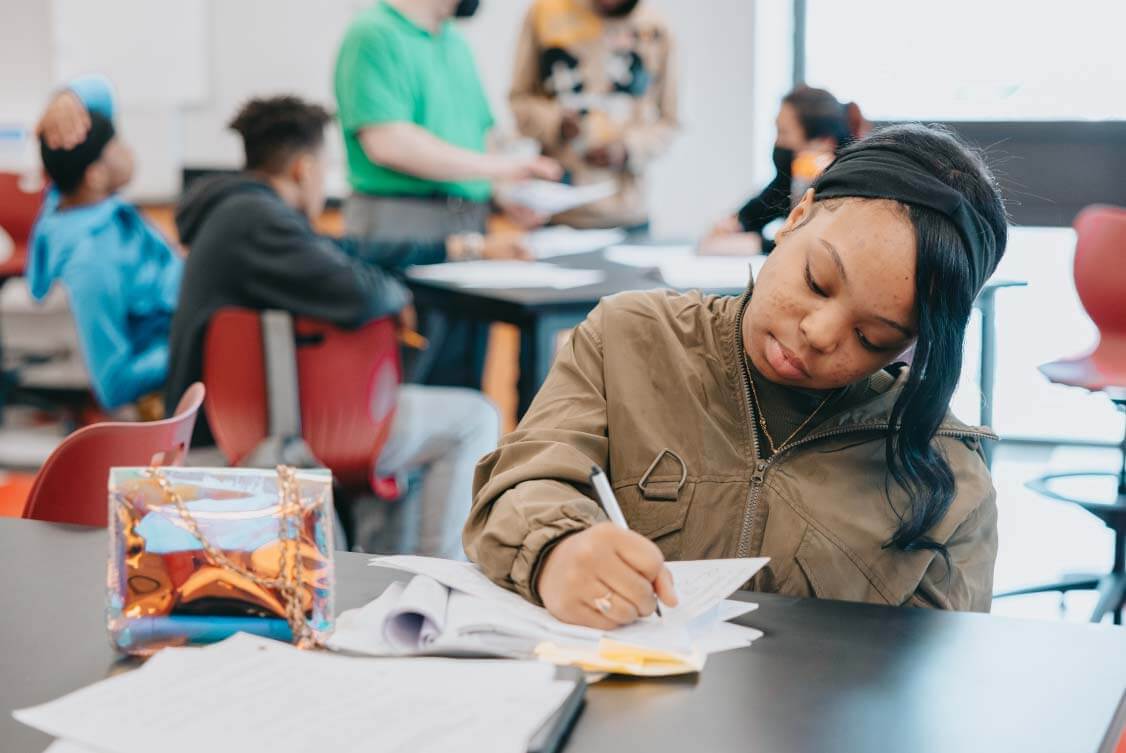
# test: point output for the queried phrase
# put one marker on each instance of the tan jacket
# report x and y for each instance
(621, 73)
(649, 373)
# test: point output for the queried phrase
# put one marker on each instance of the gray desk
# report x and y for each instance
(541, 314)
(828, 676)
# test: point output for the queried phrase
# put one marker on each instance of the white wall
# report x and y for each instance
(258, 47)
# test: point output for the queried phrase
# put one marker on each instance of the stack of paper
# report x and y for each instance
(561, 240)
(452, 609)
(648, 256)
(506, 274)
(710, 272)
(546, 197)
(254, 694)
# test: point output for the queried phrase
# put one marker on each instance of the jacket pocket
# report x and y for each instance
(826, 571)
(661, 521)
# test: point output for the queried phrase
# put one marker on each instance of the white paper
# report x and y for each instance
(250, 693)
(506, 275)
(649, 256)
(547, 197)
(710, 272)
(468, 578)
(418, 615)
(561, 240)
(702, 584)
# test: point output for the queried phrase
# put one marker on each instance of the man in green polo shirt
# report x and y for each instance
(415, 120)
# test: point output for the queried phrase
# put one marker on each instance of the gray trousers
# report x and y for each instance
(456, 356)
(437, 437)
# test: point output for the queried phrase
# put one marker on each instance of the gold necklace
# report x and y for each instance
(762, 420)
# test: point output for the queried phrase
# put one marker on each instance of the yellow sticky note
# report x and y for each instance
(622, 658)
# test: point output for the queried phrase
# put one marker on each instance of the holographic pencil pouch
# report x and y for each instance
(198, 554)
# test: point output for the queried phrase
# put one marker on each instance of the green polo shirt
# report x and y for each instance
(389, 70)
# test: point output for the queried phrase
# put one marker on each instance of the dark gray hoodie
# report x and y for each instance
(248, 248)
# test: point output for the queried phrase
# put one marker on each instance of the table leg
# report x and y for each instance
(986, 305)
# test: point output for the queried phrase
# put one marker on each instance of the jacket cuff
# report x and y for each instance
(537, 544)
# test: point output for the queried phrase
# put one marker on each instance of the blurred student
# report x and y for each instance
(121, 276)
(252, 245)
(415, 120)
(812, 125)
(595, 84)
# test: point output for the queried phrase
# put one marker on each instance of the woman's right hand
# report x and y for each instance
(604, 563)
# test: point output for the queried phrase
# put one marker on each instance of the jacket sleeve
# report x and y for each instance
(95, 92)
(771, 204)
(533, 489)
(968, 584)
(538, 116)
(647, 142)
(117, 373)
(392, 254)
(296, 270)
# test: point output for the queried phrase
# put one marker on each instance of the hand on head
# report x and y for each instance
(65, 122)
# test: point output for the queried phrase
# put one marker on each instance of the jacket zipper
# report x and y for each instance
(761, 465)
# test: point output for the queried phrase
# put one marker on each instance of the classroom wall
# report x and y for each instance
(239, 48)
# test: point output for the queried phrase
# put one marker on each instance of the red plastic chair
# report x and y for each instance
(1100, 280)
(19, 206)
(348, 387)
(71, 485)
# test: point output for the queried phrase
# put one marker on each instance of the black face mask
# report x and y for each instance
(622, 10)
(783, 159)
(466, 8)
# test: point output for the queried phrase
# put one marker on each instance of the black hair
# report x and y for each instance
(67, 167)
(276, 129)
(823, 116)
(945, 289)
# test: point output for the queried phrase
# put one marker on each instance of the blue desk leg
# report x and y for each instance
(986, 304)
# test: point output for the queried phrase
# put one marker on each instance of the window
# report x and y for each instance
(970, 60)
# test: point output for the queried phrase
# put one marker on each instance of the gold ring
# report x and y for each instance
(603, 603)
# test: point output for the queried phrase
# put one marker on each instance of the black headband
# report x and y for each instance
(878, 171)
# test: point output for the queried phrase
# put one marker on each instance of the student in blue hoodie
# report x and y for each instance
(121, 276)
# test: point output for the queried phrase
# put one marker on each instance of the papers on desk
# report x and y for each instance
(452, 608)
(710, 272)
(647, 256)
(506, 274)
(560, 240)
(680, 267)
(250, 694)
(547, 197)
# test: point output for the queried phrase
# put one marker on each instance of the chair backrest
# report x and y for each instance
(1100, 267)
(71, 485)
(348, 387)
(19, 204)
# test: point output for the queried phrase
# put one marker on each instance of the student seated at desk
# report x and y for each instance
(812, 125)
(120, 274)
(251, 244)
(775, 424)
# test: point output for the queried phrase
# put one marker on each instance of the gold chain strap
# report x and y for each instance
(290, 580)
